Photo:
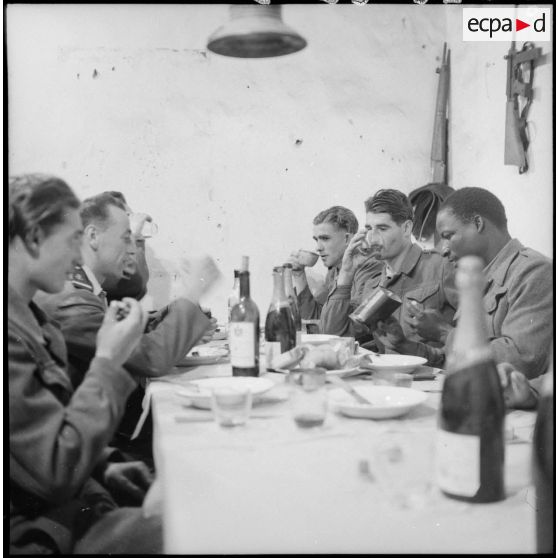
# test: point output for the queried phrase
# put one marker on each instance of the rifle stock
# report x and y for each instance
(516, 140)
(439, 150)
(514, 153)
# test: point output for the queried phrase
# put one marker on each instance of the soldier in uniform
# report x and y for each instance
(422, 279)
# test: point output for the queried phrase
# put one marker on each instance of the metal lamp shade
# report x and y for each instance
(255, 32)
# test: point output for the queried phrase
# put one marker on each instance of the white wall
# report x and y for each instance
(126, 97)
(478, 109)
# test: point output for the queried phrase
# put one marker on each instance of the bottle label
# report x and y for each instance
(272, 349)
(458, 463)
(242, 344)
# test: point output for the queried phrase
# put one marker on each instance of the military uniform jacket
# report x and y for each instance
(518, 301)
(170, 333)
(311, 305)
(424, 277)
(58, 436)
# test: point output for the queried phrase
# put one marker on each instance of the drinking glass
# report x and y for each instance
(404, 463)
(308, 396)
(231, 405)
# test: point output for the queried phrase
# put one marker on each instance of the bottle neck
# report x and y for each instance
(288, 280)
(244, 279)
(279, 297)
(470, 342)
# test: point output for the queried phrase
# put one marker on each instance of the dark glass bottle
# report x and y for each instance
(244, 330)
(280, 330)
(293, 300)
(544, 467)
(470, 437)
(234, 295)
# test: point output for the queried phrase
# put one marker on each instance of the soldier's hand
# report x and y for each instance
(198, 276)
(121, 330)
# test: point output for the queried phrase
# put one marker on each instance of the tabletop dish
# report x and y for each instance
(199, 391)
(203, 355)
(386, 401)
(317, 338)
(341, 372)
(392, 363)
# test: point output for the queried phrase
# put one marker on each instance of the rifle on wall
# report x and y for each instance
(516, 138)
(439, 151)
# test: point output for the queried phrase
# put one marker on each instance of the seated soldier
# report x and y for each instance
(60, 464)
(136, 274)
(416, 276)
(519, 294)
(107, 248)
(333, 229)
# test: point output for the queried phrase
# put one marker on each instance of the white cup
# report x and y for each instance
(307, 258)
(149, 229)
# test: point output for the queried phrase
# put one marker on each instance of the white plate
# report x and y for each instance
(386, 401)
(200, 392)
(317, 338)
(203, 355)
(392, 363)
(344, 372)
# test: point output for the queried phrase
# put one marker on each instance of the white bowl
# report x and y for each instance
(317, 338)
(392, 363)
(385, 401)
(199, 391)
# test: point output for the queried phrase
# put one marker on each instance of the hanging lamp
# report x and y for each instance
(255, 31)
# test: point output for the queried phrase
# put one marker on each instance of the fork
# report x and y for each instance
(349, 389)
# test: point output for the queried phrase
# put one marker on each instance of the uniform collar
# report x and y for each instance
(497, 269)
(410, 261)
(84, 278)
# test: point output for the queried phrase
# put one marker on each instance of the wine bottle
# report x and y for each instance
(234, 295)
(244, 330)
(543, 466)
(280, 331)
(470, 436)
(293, 300)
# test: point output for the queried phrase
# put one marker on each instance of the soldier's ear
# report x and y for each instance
(92, 235)
(408, 227)
(480, 223)
(33, 240)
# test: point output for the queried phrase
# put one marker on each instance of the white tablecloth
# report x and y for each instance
(269, 487)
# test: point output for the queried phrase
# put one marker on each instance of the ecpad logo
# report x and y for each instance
(507, 24)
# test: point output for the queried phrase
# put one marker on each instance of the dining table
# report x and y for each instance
(351, 485)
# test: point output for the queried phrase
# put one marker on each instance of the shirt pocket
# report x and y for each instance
(426, 295)
(495, 304)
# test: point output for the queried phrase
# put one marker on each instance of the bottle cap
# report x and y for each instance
(244, 265)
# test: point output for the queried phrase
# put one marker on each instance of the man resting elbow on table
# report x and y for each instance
(518, 296)
(413, 274)
(333, 229)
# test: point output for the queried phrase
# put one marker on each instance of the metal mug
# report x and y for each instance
(378, 306)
